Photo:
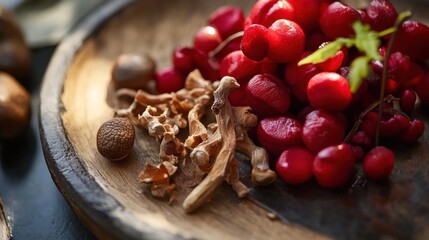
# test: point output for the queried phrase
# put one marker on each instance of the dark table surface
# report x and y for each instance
(34, 206)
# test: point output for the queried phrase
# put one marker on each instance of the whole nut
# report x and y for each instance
(115, 138)
(8, 26)
(15, 107)
(15, 59)
(133, 71)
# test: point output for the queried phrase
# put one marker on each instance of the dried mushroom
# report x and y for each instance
(15, 107)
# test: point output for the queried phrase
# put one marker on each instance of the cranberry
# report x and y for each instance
(422, 89)
(169, 80)
(286, 41)
(183, 59)
(334, 63)
(255, 42)
(392, 126)
(279, 133)
(378, 163)
(239, 97)
(268, 95)
(404, 70)
(237, 65)
(302, 114)
(369, 124)
(321, 129)
(412, 39)
(336, 21)
(266, 12)
(380, 15)
(295, 165)
(362, 139)
(407, 101)
(415, 130)
(227, 20)
(333, 166)
(329, 91)
(207, 39)
(314, 40)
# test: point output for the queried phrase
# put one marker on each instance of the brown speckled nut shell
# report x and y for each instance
(115, 138)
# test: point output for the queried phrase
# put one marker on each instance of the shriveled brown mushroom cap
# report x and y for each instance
(115, 138)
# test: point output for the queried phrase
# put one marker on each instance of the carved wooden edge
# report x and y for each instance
(97, 210)
(4, 226)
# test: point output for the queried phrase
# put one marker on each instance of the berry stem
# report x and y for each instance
(225, 42)
(401, 18)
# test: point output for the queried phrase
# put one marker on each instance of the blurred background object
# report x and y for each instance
(46, 22)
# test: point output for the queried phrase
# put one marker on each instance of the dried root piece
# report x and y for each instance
(222, 167)
(261, 173)
(197, 130)
(159, 177)
(153, 121)
(171, 148)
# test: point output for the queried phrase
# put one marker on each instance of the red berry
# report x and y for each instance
(266, 12)
(268, 95)
(169, 80)
(227, 20)
(333, 166)
(321, 129)
(237, 65)
(279, 133)
(415, 130)
(329, 91)
(362, 139)
(207, 39)
(422, 89)
(380, 15)
(255, 42)
(334, 63)
(404, 70)
(369, 124)
(378, 163)
(239, 97)
(309, 20)
(183, 59)
(407, 101)
(392, 126)
(295, 165)
(314, 40)
(286, 41)
(412, 39)
(336, 21)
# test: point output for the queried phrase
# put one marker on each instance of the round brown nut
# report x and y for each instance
(115, 138)
(8, 26)
(15, 59)
(15, 107)
(133, 71)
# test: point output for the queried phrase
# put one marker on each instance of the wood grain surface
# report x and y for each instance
(106, 195)
(4, 227)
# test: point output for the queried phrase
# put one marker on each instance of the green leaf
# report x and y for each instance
(367, 41)
(322, 54)
(359, 71)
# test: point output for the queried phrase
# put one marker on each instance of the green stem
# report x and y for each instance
(401, 18)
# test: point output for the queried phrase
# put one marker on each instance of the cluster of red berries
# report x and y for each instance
(305, 111)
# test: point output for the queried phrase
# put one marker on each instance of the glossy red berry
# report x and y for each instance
(207, 39)
(266, 12)
(329, 91)
(239, 96)
(422, 89)
(407, 101)
(183, 59)
(362, 139)
(412, 39)
(404, 70)
(333, 166)
(286, 41)
(337, 20)
(255, 42)
(334, 63)
(268, 96)
(321, 129)
(415, 130)
(380, 15)
(227, 20)
(392, 126)
(279, 133)
(378, 163)
(295, 165)
(169, 80)
(237, 65)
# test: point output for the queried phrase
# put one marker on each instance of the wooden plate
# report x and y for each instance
(106, 195)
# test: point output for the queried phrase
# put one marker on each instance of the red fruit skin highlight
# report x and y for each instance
(295, 165)
(279, 133)
(378, 163)
(412, 38)
(380, 15)
(336, 21)
(281, 32)
(333, 166)
(255, 42)
(320, 130)
(329, 91)
(227, 20)
(169, 80)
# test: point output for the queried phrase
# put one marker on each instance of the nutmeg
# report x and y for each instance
(133, 71)
(15, 107)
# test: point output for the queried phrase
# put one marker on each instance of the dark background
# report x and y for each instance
(34, 207)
